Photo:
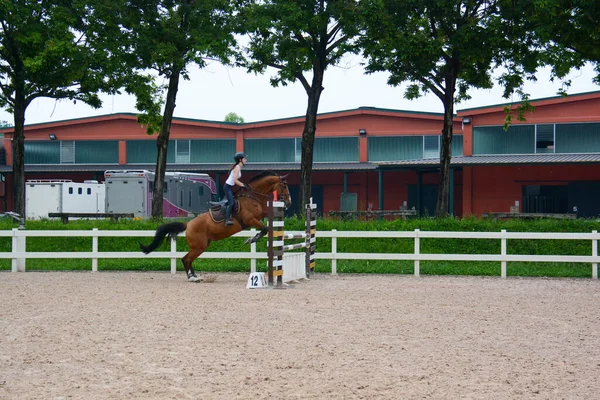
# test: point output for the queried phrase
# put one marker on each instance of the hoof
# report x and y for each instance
(194, 278)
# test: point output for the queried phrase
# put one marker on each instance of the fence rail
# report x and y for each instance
(18, 255)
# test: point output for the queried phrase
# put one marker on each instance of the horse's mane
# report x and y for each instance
(262, 175)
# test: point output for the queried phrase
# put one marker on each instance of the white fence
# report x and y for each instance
(18, 255)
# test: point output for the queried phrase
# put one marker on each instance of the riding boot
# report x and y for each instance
(228, 221)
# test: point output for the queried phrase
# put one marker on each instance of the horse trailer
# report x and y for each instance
(43, 196)
(183, 193)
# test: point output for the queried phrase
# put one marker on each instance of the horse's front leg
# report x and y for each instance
(262, 231)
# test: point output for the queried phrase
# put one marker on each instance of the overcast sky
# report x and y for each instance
(217, 90)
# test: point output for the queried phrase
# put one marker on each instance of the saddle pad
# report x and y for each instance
(217, 213)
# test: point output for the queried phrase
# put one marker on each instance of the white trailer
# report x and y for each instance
(45, 196)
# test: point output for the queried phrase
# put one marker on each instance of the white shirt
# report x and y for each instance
(231, 179)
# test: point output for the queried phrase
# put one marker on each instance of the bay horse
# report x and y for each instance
(202, 230)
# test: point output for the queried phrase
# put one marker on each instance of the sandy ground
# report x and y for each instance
(155, 336)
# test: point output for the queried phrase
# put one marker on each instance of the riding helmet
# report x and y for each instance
(238, 156)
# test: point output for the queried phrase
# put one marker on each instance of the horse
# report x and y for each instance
(203, 229)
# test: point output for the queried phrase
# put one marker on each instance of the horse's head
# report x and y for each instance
(268, 182)
(284, 192)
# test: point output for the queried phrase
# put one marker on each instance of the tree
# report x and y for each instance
(297, 37)
(234, 118)
(166, 36)
(568, 31)
(48, 50)
(5, 124)
(444, 47)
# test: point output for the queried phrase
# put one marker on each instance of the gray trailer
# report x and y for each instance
(184, 193)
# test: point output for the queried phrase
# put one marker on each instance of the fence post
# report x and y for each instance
(307, 219)
(19, 245)
(173, 255)
(15, 249)
(253, 251)
(594, 254)
(417, 252)
(503, 254)
(334, 252)
(95, 249)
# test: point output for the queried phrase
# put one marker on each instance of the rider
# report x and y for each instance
(235, 173)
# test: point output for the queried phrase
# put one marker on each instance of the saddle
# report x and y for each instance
(217, 210)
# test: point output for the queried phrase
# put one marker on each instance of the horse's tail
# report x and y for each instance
(172, 229)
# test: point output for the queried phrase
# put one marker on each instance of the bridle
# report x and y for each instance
(252, 195)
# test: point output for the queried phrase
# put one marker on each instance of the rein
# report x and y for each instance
(251, 195)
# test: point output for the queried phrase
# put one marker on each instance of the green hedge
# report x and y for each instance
(345, 245)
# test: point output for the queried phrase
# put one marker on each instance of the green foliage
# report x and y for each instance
(58, 49)
(165, 37)
(345, 245)
(46, 51)
(568, 32)
(296, 37)
(234, 118)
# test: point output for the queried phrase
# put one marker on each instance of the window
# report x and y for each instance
(457, 145)
(517, 139)
(182, 154)
(335, 149)
(95, 152)
(544, 138)
(271, 150)
(47, 152)
(394, 148)
(577, 138)
(212, 150)
(67, 152)
(431, 146)
(70, 190)
(79, 190)
(89, 191)
(145, 152)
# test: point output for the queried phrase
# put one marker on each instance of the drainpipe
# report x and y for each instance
(451, 193)
(345, 182)
(419, 193)
(381, 189)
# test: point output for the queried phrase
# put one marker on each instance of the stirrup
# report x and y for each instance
(228, 222)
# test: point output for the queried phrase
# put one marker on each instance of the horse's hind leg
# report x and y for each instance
(187, 261)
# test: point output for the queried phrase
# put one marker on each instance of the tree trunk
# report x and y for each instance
(441, 209)
(308, 138)
(162, 142)
(18, 156)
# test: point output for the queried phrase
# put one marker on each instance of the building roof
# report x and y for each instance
(215, 168)
(520, 159)
(237, 126)
(535, 102)
(506, 159)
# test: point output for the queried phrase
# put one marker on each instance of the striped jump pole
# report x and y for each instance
(277, 237)
(311, 231)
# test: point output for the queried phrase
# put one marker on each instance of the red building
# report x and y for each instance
(366, 157)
